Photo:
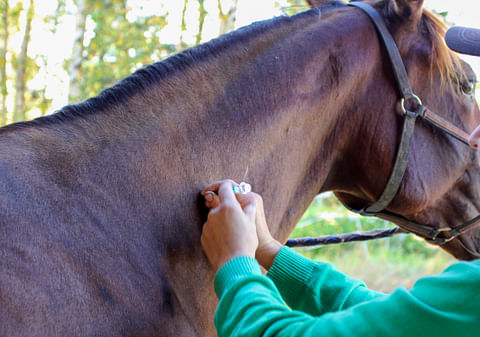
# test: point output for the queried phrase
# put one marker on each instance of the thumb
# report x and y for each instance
(211, 200)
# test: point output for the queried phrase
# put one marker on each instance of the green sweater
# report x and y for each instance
(299, 297)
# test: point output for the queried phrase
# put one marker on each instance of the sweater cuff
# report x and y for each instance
(235, 270)
(290, 271)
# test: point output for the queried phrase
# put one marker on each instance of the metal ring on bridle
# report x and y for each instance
(414, 97)
(438, 231)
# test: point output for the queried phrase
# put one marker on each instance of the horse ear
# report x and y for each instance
(317, 3)
(406, 9)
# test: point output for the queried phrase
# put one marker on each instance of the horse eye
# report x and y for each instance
(468, 88)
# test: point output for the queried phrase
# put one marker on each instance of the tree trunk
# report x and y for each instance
(201, 21)
(227, 18)
(182, 45)
(19, 112)
(75, 67)
(3, 63)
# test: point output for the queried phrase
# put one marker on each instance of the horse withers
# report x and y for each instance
(99, 216)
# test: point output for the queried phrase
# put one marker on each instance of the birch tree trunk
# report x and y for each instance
(182, 45)
(3, 63)
(201, 21)
(75, 66)
(20, 111)
(227, 18)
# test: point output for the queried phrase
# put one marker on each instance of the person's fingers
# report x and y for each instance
(211, 200)
(226, 194)
(216, 185)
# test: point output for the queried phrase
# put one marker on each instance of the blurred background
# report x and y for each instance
(58, 52)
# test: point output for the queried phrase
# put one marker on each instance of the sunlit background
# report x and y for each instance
(51, 49)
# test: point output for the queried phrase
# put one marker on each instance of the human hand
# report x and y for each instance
(230, 228)
(268, 247)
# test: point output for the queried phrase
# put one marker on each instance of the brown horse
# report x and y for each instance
(99, 216)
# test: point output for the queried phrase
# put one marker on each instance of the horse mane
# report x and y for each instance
(449, 64)
(442, 58)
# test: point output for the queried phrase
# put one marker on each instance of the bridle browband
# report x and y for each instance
(412, 109)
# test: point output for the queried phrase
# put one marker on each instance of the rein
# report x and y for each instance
(346, 237)
(412, 109)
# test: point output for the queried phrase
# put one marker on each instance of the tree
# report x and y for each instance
(182, 45)
(21, 78)
(296, 6)
(227, 17)
(121, 44)
(201, 21)
(75, 65)
(3, 62)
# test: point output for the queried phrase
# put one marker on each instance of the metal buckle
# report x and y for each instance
(440, 241)
(418, 103)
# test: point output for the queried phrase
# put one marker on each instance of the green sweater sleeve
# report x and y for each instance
(251, 305)
(314, 287)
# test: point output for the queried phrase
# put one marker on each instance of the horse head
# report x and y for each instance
(441, 183)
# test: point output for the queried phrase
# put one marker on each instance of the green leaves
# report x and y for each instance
(119, 45)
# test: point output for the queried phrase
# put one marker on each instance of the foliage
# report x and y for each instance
(295, 7)
(118, 47)
(116, 41)
(113, 38)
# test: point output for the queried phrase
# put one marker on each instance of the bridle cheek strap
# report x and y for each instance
(438, 236)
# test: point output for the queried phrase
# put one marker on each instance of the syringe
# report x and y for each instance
(242, 188)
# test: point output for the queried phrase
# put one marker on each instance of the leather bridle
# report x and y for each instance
(412, 109)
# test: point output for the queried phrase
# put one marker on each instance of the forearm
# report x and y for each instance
(249, 302)
(267, 252)
(250, 305)
(315, 287)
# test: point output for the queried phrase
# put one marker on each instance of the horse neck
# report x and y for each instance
(273, 111)
(270, 109)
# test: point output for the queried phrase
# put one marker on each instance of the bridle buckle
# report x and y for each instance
(435, 239)
(414, 106)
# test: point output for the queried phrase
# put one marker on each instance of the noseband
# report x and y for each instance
(412, 109)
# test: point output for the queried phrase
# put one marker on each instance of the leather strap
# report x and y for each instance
(438, 236)
(445, 126)
(399, 168)
(400, 165)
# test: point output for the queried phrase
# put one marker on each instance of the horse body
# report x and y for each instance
(100, 222)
